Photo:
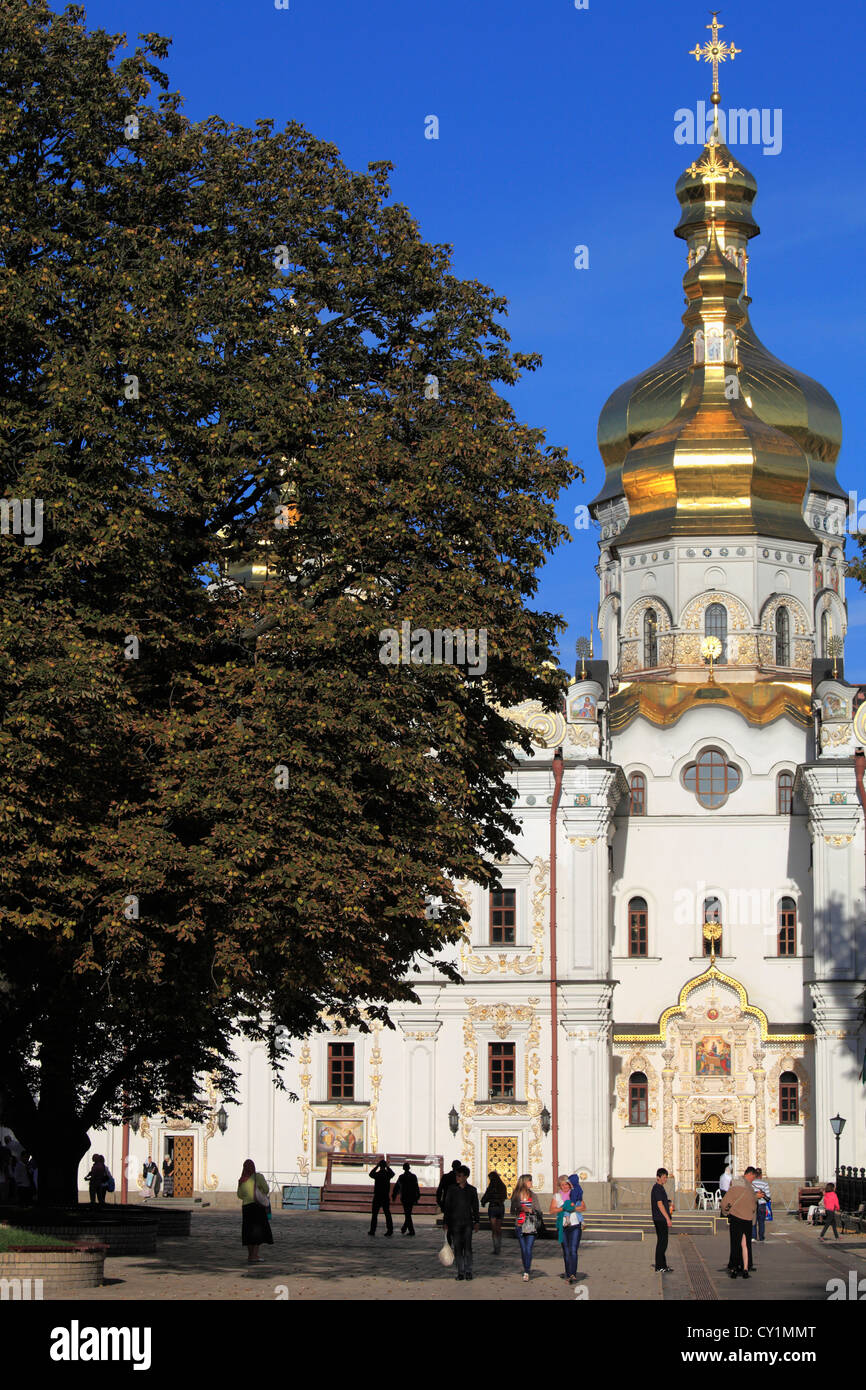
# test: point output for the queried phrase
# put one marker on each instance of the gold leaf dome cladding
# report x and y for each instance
(781, 396)
(716, 466)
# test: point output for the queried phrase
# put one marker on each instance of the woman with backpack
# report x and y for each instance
(97, 1180)
(567, 1205)
(496, 1195)
(530, 1220)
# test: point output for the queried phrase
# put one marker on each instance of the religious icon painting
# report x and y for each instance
(336, 1138)
(713, 1057)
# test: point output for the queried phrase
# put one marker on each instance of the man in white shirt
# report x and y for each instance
(763, 1190)
(725, 1180)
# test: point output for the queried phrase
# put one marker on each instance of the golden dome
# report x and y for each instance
(716, 466)
(718, 191)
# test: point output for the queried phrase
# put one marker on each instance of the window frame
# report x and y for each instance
(650, 639)
(789, 1082)
(637, 778)
(783, 639)
(498, 1055)
(705, 760)
(503, 926)
(787, 927)
(781, 808)
(719, 629)
(642, 929)
(638, 1100)
(346, 1053)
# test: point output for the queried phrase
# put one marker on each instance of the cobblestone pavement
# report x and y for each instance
(318, 1255)
(790, 1266)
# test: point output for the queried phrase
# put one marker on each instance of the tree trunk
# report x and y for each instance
(57, 1155)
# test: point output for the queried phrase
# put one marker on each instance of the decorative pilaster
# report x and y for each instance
(760, 1108)
(668, 1109)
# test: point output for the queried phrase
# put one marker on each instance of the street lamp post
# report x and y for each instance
(837, 1124)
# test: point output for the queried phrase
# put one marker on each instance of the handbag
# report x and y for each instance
(109, 1183)
(768, 1215)
(262, 1198)
(446, 1256)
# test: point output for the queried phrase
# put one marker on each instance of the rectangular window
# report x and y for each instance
(501, 1070)
(637, 931)
(341, 1071)
(637, 1100)
(788, 1110)
(503, 917)
(787, 931)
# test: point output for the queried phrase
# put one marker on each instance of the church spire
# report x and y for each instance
(715, 52)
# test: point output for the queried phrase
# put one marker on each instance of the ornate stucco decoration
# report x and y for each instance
(375, 1084)
(795, 1065)
(503, 1016)
(546, 728)
(210, 1182)
(678, 1009)
(838, 841)
(305, 1060)
(638, 1061)
(516, 961)
(582, 841)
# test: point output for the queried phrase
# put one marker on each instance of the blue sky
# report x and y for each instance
(556, 128)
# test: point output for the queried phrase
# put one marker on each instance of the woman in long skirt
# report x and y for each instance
(255, 1226)
(167, 1177)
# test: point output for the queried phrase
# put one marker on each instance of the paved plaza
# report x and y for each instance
(319, 1255)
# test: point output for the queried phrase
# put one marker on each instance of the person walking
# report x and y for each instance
(462, 1216)
(495, 1197)
(150, 1174)
(407, 1189)
(97, 1180)
(762, 1188)
(527, 1208)
(831, 1206)
(381, 1176)
(739, 1205)
(447, 1180)
(662, 1214)
(255, 1226)
(567, 1205)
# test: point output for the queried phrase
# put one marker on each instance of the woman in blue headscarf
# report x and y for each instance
(568, 1205)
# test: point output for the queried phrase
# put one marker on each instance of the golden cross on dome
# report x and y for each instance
(714, 52)
(712, 170)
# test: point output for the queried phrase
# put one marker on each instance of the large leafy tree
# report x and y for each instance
(223, 353)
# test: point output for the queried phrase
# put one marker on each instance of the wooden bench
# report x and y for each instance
(808, 1197)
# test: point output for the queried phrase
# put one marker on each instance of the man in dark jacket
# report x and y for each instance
(381, 1176)
(407, 1189)
(448, 1181)
(462, 1216)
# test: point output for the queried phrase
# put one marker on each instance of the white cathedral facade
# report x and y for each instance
(672, 970)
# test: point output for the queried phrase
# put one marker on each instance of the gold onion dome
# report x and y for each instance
(716, 467)
(718, 191)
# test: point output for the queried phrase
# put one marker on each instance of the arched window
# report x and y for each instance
(716, 625)
(784, 793)
(783, 637)
(825, 633)
(712, 915)
(637, 927)
(712, 778)
(650, 638)
(637, 1099)
(789, 1099)
(637, 794)
(787, 937)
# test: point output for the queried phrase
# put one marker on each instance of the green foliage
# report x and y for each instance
(281, 318)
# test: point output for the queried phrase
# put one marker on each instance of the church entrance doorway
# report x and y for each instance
(502, 1158)
(182, 1153)
(712, 1152)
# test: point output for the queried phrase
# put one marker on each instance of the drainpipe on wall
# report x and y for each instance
(554, 1020)
(859, 769)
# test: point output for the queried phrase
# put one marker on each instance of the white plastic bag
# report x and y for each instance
(446, 1256)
